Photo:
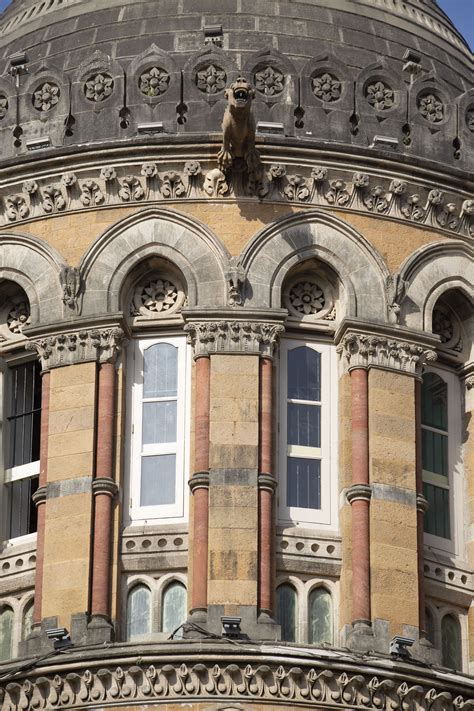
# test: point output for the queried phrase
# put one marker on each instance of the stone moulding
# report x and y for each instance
(360, 350)
(333, 187)
(98, 344)
(209, 337)
(317, 685)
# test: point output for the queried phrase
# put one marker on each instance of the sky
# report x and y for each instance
(461, 13)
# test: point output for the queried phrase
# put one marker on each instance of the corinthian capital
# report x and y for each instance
(360, 350)
(100, 345)
(257, 337)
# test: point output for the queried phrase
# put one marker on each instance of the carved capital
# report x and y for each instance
(104, 485)
(199, 480)
(209, 337)
(359, 492)
(470, 382)
(360, 350)
(39, 497)
(421, 503)
(267, 482)
(100, 345)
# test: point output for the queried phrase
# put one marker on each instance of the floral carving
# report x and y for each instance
(108, 174)
(379, 95)
(68, 180)
(131, 189)
(46, 96)
(337, 193)
(160, 295)
(377, 200)
(431, 108)
(71, 283)
(3, 106)
(173, 186)
(443, 324)
(269, 81)
(149, 170)
(18, 317)
(297, 188)
(30, 187)
(215, 184)
(154, 82)
(91, 193)
(53, 199)
(326, 87)
(469, 117)
(192, 168)
(17, 208)
(99, 87)
(211, 79)
(306, 297)
(412, 208)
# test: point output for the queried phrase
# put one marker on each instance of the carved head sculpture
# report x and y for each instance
(240, 93)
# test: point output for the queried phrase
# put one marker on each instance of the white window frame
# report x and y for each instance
(325, 517)
(170, 513)
(22, 471)
(453, 544)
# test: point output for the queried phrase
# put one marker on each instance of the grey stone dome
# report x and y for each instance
(328, 70)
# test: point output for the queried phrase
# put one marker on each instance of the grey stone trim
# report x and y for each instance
(385, 492)
(398, 197)
(241, 337)
(99, 344)
(69, 487)
(233, 477)
(206, 671)
(199, 480)
(359, 492)
(421, 503)
(104, 485)
(267, 482)
(396, 349)
(40, 495)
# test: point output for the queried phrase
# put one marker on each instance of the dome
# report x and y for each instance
(357, 69)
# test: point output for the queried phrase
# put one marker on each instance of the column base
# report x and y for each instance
(100, 629)
(363, 636)
(37, 643)
(252, 628)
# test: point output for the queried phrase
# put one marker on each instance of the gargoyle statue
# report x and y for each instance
(238, 127)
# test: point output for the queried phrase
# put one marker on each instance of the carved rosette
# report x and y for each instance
(154, 82)
(326, 87)
(98, 87)
(380, 96)
(211, 79)
(431, 108)
(254, 337)
(101, 344)
(269, 81)
(287, 684)
(360, 350)
(3, 106)
(309, 297)
(14, 316)
(46, 96)
(447, 327)
(158, 297)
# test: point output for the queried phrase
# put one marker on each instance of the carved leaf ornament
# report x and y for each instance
(431, 108)
(3, 106)
(306, 297)
(211, 79)
(46, 96)
(380, 96)
(99, 87)
(269, 81)
(18, 317)
(326, 87)
(154, 81)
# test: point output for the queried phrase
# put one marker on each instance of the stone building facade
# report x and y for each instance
(239, 388)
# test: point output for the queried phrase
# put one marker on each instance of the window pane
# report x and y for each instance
(304, 425)
(451, 642)
(304, 374)
(6, 626)
(23, 414)
(437, 519)
(304, 483)
(27, 620)
(138, 612)
(434, 452)
(22, 508)
(160, 371)
(434, 402)
(174, 611)
(159, 422)
(158, 481)
(430, 626)
(320, 617)
(286, 612)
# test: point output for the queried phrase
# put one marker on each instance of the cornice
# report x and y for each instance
(294, 176)
(210, 673)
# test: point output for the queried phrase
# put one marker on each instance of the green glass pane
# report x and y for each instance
(173, 612)
(434, 402)
(451, 642)
(27, 621)
(304, 374)
(437, 519)
(6, 626)
(138, 612)
(286, 612)
(320, 617)
(434, 452)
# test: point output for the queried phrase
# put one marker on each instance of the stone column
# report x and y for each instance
(266, 488)
(359, 498)
(39, 497)
(421, 506)
(104, 490)
(199, 485)
(468, 427)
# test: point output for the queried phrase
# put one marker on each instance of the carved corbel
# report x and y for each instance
(71, 284)
(395, 288)
(235, 276)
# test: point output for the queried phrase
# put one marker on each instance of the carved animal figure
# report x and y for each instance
(238, 127)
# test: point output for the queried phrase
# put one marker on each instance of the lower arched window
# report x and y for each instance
(320, 617)
(27, 620)
(138, 612)
(451, 642)
(286, 612)
(173, 610)
(6, 632)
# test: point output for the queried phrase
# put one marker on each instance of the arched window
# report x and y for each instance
(138, 612)
(173, 609)
(158, 429)
(27, 620)
(6, 631)
(320, 617)
(430, 626)
(305, 432)
(451, 653)
(286, 611)
(435, 455)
